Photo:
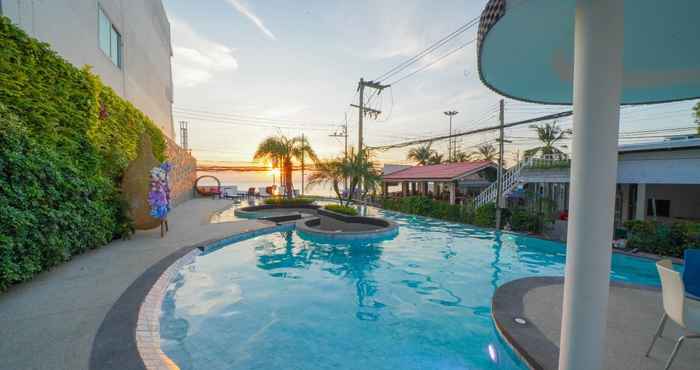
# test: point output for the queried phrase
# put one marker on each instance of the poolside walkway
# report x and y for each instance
(633, 313)
(51, 321)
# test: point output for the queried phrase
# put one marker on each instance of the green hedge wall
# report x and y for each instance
(65, 142)
(346, 210)
(424, 206)
(663, 239)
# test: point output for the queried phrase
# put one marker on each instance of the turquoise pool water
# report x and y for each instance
(419, 301)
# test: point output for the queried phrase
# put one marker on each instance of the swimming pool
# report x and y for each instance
(419, 301)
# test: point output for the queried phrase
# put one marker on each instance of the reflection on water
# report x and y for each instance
(419, 301)
(353, 262)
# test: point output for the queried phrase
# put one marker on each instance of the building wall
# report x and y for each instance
(183, 174)
(654, 167)
(685, 199)
(71, 28)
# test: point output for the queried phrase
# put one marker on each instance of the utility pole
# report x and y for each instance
(344, 135)
(183, 135)
(360, 114)
(450, 145)
(303, 146)
(499, 194)
(361, 107)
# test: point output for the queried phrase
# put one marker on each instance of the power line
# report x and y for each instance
(235, 122)
(403, 65)
(239, 116)
(471, 132)
(423, 68)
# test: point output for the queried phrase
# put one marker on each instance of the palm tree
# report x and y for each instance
(486, 152)
(284, 151)
(358, 166)
(333, 172)
(462, 156)
(421, 154)
(548, 134)
(435, 158)
(362, 170)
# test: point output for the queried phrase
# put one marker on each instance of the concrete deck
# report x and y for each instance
(51, 321)
(633, 313)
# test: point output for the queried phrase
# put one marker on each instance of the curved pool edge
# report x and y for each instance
(251, 212)
(129, 335)
(331, 237)
(526, 341)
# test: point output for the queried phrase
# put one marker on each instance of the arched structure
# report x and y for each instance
(207, 191)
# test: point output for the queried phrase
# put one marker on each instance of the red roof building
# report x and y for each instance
(439, 172)
(451, 181)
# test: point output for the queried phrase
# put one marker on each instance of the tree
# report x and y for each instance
(284, 151)
(362, 170)
(486, 152)
(549, 135)
(435, 158)
(462, 156)
(332, 172)
(358, 167)
(421, 154)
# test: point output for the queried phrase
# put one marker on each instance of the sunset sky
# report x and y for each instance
(244, 70)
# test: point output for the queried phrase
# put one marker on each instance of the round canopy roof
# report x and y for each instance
(526, 50)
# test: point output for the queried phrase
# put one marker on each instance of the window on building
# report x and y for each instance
(661, 206)
(109, 38)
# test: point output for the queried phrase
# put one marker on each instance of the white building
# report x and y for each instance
(127, 43)
(658, 180)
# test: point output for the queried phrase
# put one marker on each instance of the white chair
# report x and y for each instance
(679, 308)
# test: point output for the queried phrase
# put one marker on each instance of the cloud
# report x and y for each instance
(195, 58)
(253, 18)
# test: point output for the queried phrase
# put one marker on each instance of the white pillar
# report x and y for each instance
(624, 216)
(453, 192)
(598, 49)
(640, 210)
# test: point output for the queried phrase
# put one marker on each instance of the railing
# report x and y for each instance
(551, 161)
(511, 178)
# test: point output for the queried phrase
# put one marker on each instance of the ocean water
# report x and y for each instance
(419, 301)
(245, 180)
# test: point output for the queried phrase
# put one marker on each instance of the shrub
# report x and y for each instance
(282, 201)
(65, 142)
(485, 215)
(525, 219)
(424, 206)
(341, 209)
(520, 220)
(662, 239)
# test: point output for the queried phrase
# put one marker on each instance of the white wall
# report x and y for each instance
(70, 27)
(685, 199)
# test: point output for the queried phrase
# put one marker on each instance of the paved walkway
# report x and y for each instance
(51, 321)
(633, 313)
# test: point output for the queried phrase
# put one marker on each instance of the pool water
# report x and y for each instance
(419, 301)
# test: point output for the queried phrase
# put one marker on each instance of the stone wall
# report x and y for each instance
(183, 174)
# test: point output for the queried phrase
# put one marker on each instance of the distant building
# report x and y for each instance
(656, 180)
(452, 182)
(127, 43)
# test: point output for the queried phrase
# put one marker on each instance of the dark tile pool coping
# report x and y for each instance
(526, 340)
(389, 229)
(129, 336)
